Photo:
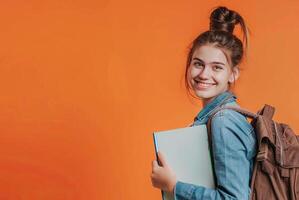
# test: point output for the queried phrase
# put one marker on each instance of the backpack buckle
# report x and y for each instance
(262, 155)
(263, 152)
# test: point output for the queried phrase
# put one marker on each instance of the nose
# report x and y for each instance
(204, 73)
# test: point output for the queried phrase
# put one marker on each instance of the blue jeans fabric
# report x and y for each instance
(234, 149)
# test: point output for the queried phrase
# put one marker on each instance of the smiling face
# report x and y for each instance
(209, 73)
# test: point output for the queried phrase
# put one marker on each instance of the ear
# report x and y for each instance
(234, 75)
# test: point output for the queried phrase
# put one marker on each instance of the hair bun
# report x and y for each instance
(223, 19)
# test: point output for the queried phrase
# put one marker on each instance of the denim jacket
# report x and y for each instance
(234, 149)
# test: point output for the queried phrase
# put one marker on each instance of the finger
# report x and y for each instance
(162, 159)
(154, 165)
(154, 183)
(153, 179)
(190, 124)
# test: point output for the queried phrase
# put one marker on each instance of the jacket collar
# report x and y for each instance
(225, 97)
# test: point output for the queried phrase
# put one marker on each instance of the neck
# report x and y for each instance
(206, 101)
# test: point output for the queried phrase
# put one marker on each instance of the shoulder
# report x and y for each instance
(231, 118)
(231, 126)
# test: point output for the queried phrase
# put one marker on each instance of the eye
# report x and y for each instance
(217, 67)
(198, 64)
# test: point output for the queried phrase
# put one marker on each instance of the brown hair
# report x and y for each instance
(222, 24)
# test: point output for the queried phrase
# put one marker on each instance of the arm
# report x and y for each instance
(230, 141)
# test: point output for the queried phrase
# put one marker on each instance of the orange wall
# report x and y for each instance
(85, 83)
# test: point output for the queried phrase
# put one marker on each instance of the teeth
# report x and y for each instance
(204, 83)
(201, 83)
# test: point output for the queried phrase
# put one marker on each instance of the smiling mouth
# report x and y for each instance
(202, 85)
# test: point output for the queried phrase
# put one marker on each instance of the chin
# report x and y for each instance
(205, 94)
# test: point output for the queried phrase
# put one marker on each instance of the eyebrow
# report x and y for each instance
(215, 62)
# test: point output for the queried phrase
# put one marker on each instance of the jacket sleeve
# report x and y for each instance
(230, 143)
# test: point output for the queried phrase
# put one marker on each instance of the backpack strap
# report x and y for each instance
(267, 111)
(239, 110)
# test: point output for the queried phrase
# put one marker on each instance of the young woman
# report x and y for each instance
(212, 67)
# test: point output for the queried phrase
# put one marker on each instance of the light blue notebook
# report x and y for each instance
(187, 152)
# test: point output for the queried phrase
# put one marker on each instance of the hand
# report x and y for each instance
(189, 125)
(162, 176)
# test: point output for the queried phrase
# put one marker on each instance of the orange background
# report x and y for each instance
(85, 83)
